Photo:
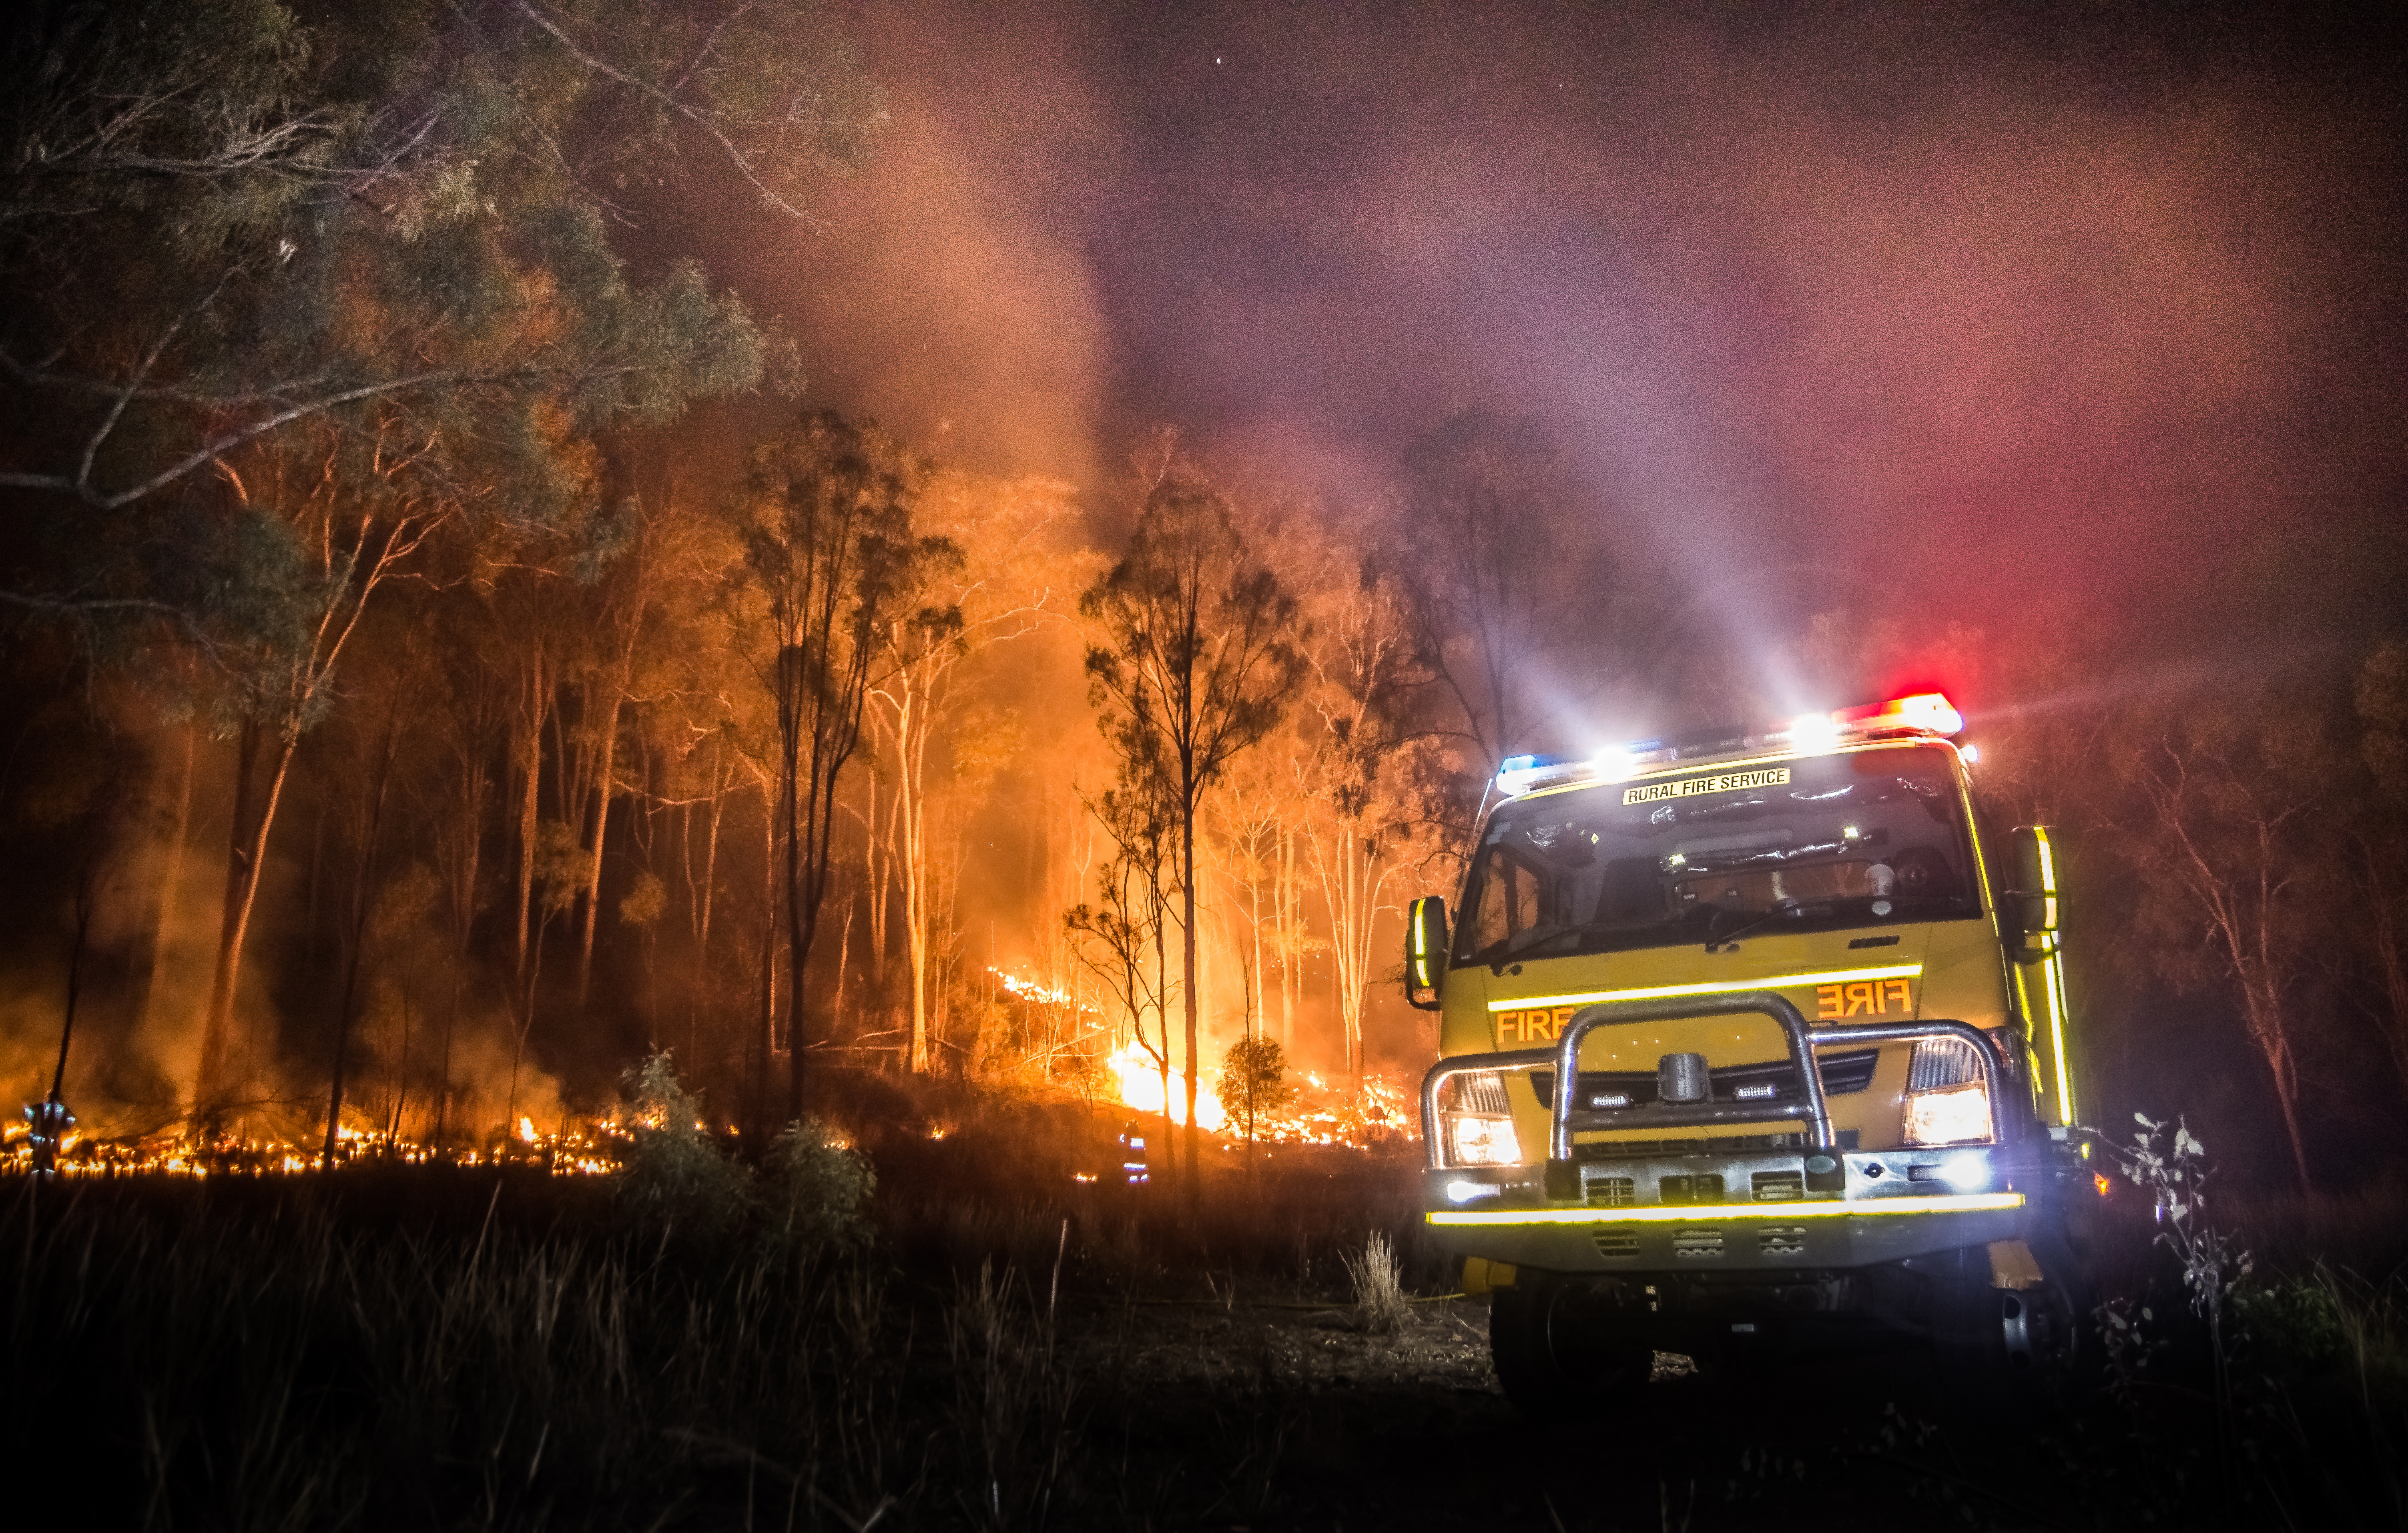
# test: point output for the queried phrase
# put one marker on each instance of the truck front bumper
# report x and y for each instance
(1754, 1212)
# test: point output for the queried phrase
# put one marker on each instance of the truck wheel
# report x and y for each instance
(1562, 1351)
(2012, 1348)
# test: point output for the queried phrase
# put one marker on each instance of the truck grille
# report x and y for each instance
(1612, 1192)
(1611, 1243)
(1696, 1244)
(1705, 1187)
(1781, 1241)
(1737, 1144)
(1844, 1074)
(1778, 1186)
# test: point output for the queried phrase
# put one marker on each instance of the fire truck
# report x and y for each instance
(1753, 1042)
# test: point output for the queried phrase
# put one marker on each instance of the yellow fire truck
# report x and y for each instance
(1753, 1041)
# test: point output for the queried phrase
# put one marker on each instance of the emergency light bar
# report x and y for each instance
(1923, 713)
(1926, 710)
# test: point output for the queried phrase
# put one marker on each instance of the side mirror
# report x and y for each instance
(1425, 950)
(2034, 894)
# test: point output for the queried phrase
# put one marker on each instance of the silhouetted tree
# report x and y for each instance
(1196, 662)
(2235, 854)
(826, 515)
(2382, 697)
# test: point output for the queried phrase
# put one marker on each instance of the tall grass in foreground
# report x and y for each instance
(265, 1368)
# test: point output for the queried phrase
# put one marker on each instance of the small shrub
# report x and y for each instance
(1253, 1080)
(675, 1177)
(819, 1188)
(2170, 1163)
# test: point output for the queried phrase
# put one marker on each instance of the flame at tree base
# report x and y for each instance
(1317, 1112)
(1139, 1082)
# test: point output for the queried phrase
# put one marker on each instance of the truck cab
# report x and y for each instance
(1752, 1043)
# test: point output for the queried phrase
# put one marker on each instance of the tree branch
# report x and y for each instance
(739, 157)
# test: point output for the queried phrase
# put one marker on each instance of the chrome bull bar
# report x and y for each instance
(1813, 1112)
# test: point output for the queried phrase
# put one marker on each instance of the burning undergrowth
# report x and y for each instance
(268, 1134)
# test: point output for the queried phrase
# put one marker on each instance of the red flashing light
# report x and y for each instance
(1927, 710)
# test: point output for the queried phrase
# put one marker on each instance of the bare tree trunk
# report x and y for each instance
(2381, 900)
(2266, 1028)
(609, 752)
(1291, 919)
(769, 965)
(171, 883)
(401, 1078)
(527, 750)
(443, 1087)
(1188, 952)
(363, 879)
(880, 859)
(912, 818)
(246, 859)
(1162, 1027)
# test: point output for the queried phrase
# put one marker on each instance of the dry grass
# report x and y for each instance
(1381, 1307)
(1016, 1349)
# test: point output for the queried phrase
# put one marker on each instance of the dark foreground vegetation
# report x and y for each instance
(1001, 1346)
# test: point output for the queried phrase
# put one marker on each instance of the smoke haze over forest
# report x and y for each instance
(2046, 315)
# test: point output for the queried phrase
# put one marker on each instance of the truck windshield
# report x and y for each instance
(1872, 838)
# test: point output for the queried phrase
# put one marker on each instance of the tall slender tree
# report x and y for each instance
(826, 517)
(1000, 584)
(2235, 854)
(1194, 659)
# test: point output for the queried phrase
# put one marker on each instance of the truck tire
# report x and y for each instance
(2012, 1349)
(1562, 1352)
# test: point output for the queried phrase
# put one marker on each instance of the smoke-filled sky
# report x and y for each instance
(1996, 314)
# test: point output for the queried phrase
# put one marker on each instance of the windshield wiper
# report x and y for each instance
(1530, 937)
(1730, 939)
(1716, 939)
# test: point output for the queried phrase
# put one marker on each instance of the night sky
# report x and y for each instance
(2077, 324)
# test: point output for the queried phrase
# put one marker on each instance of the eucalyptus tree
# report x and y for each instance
(825, 514)
(2382, 697)
(999, 583)
(218, 223)
(1193, 662)
(240, 247)
(1368, 676)
(1115, 936)
(2238, 857)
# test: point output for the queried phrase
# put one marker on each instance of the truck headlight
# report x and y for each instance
(1476, 1126)
(1947, 1094)
(1478, 1140)
(1951, 1115)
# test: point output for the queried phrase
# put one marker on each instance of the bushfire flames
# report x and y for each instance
(1317, 1112)
(1141, 1087)
(579, 1149)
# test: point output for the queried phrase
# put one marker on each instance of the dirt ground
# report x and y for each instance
(1334, 1427)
